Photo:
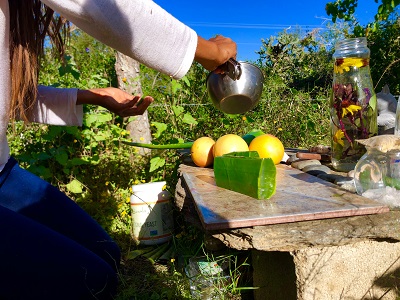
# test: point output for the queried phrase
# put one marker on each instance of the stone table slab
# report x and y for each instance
(299, 197)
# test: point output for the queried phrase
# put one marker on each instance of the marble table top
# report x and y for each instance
(299, 197)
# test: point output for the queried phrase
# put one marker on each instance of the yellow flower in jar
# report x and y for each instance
(344, 64)
(350, 109)
(338, 137)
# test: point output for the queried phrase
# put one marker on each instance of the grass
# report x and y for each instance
(164, 277)
(142, 279)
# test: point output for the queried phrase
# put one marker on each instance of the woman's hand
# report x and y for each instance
(214, 52)
(115, 100)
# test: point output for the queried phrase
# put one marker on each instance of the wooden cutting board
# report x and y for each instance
(299, 197)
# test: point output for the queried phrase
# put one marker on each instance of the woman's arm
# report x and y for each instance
(137, 28)
(144, 31)
(115, 100)
(62, 106)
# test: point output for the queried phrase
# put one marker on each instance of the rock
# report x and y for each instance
(343, 180)
(307, 155)
(300, 164)
(321, 149)
(321, 168)
(292, 158)
(316, 173)
(349, 186)
(330, 177)
(383, 143)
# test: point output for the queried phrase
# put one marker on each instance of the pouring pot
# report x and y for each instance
(238, 89)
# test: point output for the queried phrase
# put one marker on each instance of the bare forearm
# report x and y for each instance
(87, 97)
(115, 100)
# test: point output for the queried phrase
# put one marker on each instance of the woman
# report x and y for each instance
(50, 248)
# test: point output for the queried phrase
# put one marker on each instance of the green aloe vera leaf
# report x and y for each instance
(254, 177)
(186, 145)
(253, 154)
(247, 137)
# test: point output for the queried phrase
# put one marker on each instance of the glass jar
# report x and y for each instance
(370, 171)
(397, 124)
(353, 107)
(393, 172)
(377, 176)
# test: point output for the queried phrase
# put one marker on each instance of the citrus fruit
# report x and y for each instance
(202, 151)
(268, 146)
(229, 143)
(248, 137)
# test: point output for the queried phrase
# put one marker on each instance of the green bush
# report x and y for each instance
(384, 44)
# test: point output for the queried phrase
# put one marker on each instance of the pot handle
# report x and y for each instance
(232, 68)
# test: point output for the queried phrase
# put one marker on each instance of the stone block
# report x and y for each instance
(365, 270)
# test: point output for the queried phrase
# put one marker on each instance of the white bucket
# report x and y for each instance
(152, 220)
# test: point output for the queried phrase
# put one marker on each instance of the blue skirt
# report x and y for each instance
(49, 247)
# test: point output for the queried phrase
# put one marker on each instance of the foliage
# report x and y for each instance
(87, 64)
(383, 38)
(301, 62)
(345, 9)
(384, 44)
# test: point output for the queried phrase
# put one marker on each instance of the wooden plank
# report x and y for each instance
(299, 197)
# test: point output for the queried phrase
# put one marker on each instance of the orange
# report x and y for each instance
(229, 143)
(202, 151)
(268, 146)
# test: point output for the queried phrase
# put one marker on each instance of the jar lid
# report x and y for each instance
(352, 47)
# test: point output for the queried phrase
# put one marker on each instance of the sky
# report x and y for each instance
(248, 22)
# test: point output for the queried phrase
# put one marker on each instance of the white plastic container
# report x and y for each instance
(152, 219)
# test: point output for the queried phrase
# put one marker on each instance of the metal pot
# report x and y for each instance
(238, 89)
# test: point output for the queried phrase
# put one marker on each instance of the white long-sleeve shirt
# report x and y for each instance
(137, 28)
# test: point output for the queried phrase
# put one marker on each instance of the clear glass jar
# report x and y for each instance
(397, 124)
(377, 176)
(393, 173)
(353, 107)
(370, 171)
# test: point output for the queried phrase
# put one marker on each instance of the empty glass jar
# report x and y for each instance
(377, 176)
(370, 171)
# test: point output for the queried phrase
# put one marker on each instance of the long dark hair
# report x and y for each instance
(30, 23)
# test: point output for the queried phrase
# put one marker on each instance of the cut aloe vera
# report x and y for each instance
(186, 145)
(246, 173)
